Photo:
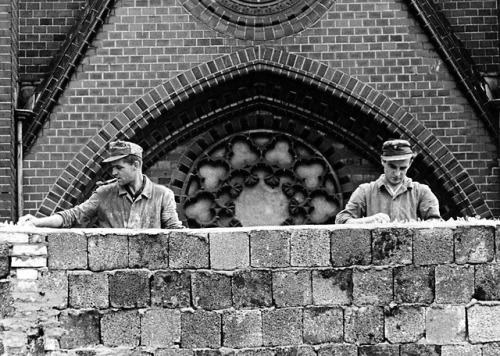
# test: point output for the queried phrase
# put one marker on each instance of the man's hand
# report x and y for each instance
(55, 220)
(379, 218)
(27, 220)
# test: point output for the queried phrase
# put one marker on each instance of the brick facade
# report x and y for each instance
(149, 51)
(381, 301)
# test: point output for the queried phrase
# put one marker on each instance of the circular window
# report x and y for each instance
(259, 20)
(260, 178)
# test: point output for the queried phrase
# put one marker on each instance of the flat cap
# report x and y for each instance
(122, 149)
(394, 150)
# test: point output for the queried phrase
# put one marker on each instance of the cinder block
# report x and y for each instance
(483, 323)
(201, 329)
(88, 290)
(53, 287)
(302, 350)
(81, 328)
(252, 288)
(108, 252)
(491, 349)
(188, 250)
(364, 325)
(332, 287)
(171, 289)
(6, 299)
(310, 248)
(487, 282)
(173, 352)
(270, 248)
(420, 350)
(461, 350)
(454, 284)
(282, 327)
(433, 246)
(4, 259)
(338, 350)
(148, 251)
(379, 350)
(392, 246)
(67, 251)
(404, 324)
(351, 247)
(121, 328)
(129, 289)
(160, 327)
(414, 284)
(474, 244)
(211, 290)
(372, 286)
(242, 328)
(323, 325)
(255, 352)
(229, 250)
(445, 325)
(292, 288)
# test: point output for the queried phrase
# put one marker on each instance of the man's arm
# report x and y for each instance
(169, 217)
(377, 218)
(55, 220)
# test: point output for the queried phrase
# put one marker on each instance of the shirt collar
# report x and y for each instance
(146, 192)
(407, 182)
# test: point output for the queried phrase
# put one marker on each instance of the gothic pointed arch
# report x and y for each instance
(281, 92)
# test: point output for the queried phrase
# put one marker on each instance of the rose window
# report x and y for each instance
(260, 178)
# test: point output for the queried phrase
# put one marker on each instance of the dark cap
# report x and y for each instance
(122, 149)
(394, 150)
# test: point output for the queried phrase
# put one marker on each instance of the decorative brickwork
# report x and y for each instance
(215, 304)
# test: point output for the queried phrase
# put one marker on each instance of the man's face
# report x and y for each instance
(124, 172)
(395, 171)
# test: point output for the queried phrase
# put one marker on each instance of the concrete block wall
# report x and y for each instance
(328, 290)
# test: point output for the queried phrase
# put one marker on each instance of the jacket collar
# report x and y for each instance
(147, 192)
(407, 183)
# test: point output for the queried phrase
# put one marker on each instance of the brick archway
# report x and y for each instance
(313, 94)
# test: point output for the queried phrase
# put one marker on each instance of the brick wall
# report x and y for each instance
(8, 93)
(372, 290)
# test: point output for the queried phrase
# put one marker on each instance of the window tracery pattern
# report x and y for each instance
(259, 178)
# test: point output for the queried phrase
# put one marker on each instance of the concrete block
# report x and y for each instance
(4, 259)
(88, 290)
(461, 350)
(337, 350)
(364, 325)
(310, 248)
(282, 327)
(491, 349)
(270, 248)
(53, 287)
(332, 287)
(160, 327)
(121, 328)
(80, 328)
(404, 324)
(454, 284)
(28, 262)
(211, 290)
(171, 289)
(67, 251)
(108, 252)
(474, 244)
(487, 282)
(242, 328)
(379, 350)
(414, 284)
(483, 323)
(445, 325)
(229, 250)
(201, 329)
(292, 288)
(252, 288)
(302, 350)
(129, 289)
(173, 352)
(323, 325)
(148, 251)
(255, 352)
(188, 250)
(392, 246)
(372, 286)
(433, 246)
(6, 299)
(420, 350)
(351, 247)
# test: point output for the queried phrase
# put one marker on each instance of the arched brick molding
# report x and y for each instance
(305, 92)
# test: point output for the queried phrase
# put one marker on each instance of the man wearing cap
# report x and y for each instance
(393, 196)
(130, 200)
